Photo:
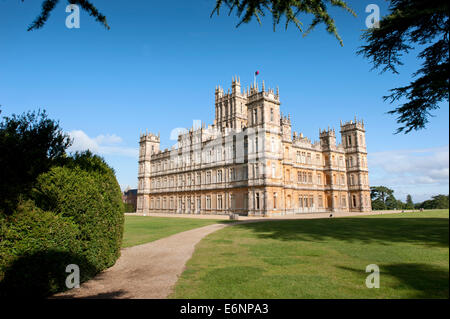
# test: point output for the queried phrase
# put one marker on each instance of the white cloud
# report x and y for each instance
(102, 144)
(419, 172)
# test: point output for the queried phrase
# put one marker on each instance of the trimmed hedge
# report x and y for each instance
(35, 248)
(78, 219)
(93, 201)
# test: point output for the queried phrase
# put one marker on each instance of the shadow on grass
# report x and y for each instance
(426, 281)
(426, 231)
(42, 274)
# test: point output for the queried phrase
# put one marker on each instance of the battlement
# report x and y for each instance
(352, 125)
(252, 92)
(298, 137)
(285, 120)
(327, 133)
(149, 137)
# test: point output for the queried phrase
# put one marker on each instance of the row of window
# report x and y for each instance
(190, 203)
(218, 176)
(200, 178)
(216, 155)
(302, 201)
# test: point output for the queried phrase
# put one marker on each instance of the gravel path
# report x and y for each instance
(151, 270)
(144, 271)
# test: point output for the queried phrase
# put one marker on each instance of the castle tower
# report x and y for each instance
(263, 108)
(231, 107)
(328, 145)
(327, 139)
(354, 142)
(148, 145)
(286, 128)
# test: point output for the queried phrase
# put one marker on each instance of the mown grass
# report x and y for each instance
(323, 258)
(143, 229)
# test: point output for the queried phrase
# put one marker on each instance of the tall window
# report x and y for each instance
(208, 202)
(257, 200)
(343, 202)
(271, 115)
(208, 177)
(219, 201)
(219, 176)
(272, 145)
(273, 170)
(274, 200)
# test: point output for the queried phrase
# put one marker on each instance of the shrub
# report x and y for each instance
(75, 217)
(86, 191)
(35, 248)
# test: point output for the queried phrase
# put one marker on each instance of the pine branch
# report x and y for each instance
(289, 9)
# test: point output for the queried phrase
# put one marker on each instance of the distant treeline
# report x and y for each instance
(383, 199)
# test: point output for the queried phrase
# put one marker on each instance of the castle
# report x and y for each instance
(249, 162)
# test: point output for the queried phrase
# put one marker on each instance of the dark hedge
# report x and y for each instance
(77, 218)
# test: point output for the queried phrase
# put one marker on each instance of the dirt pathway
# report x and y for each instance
(144, 271)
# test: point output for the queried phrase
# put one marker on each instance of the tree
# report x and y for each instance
(380, 195)
(383, 198)
(29, 145)
(410, 24)
(409, 202)
(436, 202)
(49, 5)
(289, 9)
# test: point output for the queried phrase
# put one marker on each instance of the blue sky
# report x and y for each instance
(157, 67)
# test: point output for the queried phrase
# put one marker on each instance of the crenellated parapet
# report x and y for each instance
(352, 125)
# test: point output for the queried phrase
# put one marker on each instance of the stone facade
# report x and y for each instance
(249, 162)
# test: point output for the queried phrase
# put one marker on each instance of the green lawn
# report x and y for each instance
(144, 229)
(323, 258)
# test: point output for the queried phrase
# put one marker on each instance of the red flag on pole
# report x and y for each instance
(257, 72)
